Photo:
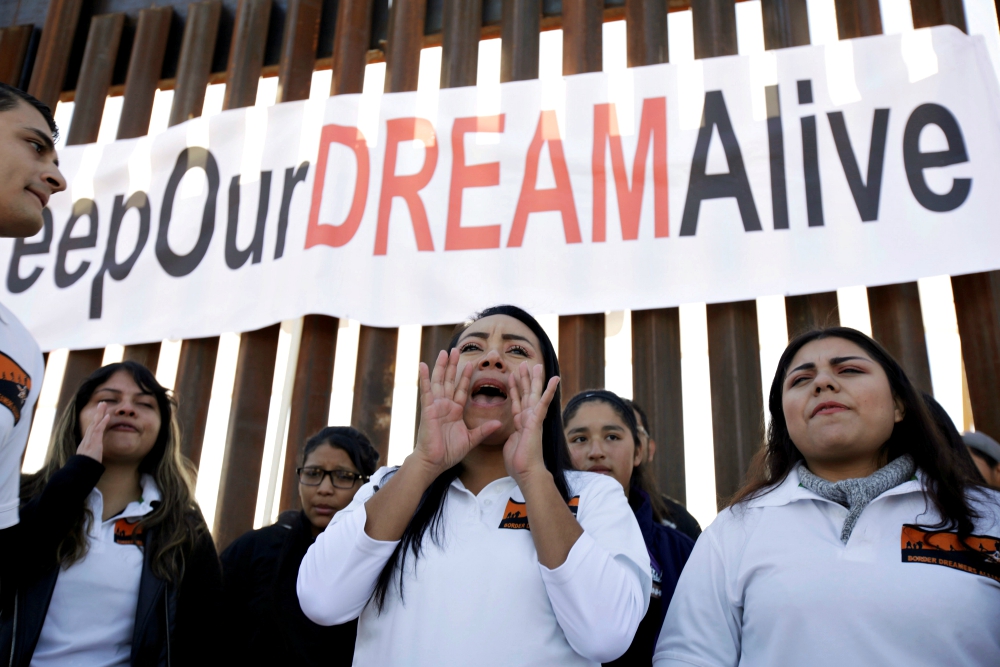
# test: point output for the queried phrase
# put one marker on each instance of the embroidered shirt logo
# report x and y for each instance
(979, 555)
(15, 385)
(515, 515)
(127, 532)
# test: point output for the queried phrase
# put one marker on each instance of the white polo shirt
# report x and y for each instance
(770, 584)
(481, 597)
(91, 616)
(21, 371)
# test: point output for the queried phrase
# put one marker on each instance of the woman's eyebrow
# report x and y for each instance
(836, 361)
(808, 366)
(578, 429)
(516, 337)
(474, 334)
(113, 391)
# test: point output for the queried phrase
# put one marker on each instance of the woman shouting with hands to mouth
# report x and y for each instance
(484, 548)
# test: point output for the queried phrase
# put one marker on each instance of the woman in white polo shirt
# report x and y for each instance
(859, 538)
(484, 548)
(124, 570)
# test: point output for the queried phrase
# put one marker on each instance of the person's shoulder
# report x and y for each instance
(264, 537)
(16, 338)
(733, 527)
(583, 483)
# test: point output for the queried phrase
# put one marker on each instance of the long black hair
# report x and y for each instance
(176, 518)
(641, 478)
(430, 510)
(948, 481)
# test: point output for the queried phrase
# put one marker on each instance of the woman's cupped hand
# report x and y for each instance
(443, 438)
(530, 396)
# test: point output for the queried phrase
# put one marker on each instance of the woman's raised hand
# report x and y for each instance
(92, 444)
(522, 453)
(443, 438)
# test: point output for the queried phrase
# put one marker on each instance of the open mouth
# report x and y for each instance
(489, 392)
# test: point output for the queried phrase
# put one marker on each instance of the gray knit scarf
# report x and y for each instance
(855, 494)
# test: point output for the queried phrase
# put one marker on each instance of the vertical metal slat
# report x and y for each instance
(733, 347)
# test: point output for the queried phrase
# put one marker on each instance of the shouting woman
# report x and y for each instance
(484, 548)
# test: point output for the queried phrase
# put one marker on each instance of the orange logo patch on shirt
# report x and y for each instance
(979, 555)
(515, 515)
(15, 385)
(127, 532)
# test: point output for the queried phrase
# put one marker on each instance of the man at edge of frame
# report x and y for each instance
(29, 175)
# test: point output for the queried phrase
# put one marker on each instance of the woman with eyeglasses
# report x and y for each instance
(265, 624)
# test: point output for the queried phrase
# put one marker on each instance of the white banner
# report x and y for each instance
(868, 161)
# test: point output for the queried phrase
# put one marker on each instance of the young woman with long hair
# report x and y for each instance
(125, 571)
(859, 538)
(668, 511)
(265, 624)
(603, 437)
(484, 547)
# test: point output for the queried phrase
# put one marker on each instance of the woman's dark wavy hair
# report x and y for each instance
(948, 481)
(176, 518)
(353, 442)
(429, 512)
(641, 478)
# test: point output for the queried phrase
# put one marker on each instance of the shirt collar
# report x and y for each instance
(790, 490)
(134, 510)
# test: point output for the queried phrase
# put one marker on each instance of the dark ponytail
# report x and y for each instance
(429, 514)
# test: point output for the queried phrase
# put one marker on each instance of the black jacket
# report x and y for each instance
(668, 552)
(681, 519)
(266, 623)
(175, 625)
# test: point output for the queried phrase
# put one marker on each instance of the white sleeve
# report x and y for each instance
(339, 571)
(601, 592)
(704, 622)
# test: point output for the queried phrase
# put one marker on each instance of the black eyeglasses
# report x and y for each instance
(341, 479)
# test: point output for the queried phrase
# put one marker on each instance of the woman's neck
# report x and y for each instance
(837, 471)
(482, 465)
(119, 486)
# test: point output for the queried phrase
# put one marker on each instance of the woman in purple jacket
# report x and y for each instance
(603, 437)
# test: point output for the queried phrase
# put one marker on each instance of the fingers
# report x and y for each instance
(437, 378)
(524, 376)
(424, 379)
(483, 431)
(542, 407)
(537, 382)
(451, 373)
(92, 444)
(464, 380)
(515, 397)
